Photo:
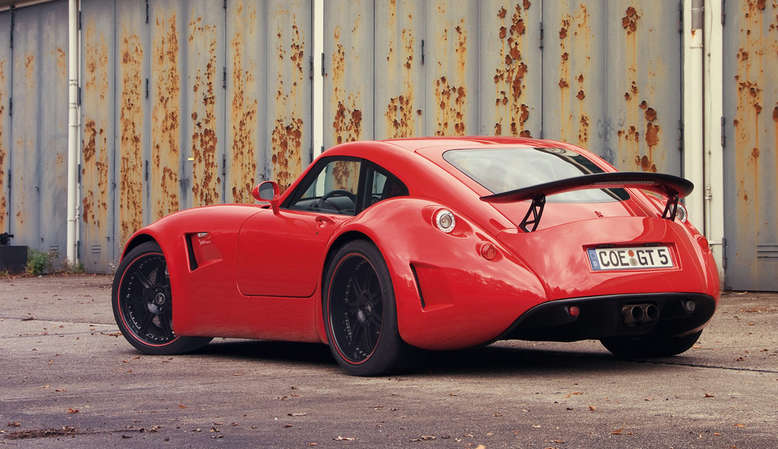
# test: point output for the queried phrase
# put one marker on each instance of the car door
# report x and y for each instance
(282, 254)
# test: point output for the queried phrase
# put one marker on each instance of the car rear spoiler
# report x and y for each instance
(673, 186)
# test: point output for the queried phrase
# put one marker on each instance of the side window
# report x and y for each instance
(333, 190)
(384, 186)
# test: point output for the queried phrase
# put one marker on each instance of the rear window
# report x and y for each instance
(505, 169)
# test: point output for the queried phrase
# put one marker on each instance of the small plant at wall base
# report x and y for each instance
(38, 262)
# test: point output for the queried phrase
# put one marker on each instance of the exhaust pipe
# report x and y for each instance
(637, 314)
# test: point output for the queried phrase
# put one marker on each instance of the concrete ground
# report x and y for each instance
(68, 379)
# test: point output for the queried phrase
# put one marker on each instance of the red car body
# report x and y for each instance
(242, 270)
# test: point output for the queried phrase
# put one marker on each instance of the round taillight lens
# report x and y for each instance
(445, 220)
(488, 251)
(681, 214)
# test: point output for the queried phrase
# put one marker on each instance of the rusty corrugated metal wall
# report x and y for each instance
(5, 124)
(751, 144)
(35, 68)
(186, 103)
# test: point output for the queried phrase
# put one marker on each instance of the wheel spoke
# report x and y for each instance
(147, 320)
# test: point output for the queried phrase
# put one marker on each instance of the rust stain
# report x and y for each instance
(450, 94)
(347, 117)
(399, 112)
(575, 35)
(287, 133)
(205, 181)
(131, 129)
(3, 151)
(630, 20)
(638, 112)
(62, 63)
(752, 55)
(94, 164)
(243, 111)
(510, 72)
(29, 70)
(165, 131)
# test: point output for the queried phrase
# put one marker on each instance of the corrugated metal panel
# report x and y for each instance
(97, 148)
(399, 73)
(246, 96)
(576, 73)
(451, 78)
(167, 36)
(131, 107)
(5, 123)
(612, 80)
(204, 101)
(510, 68)
(40, 129)
(348, 82)
(289, 88)
(751, 153)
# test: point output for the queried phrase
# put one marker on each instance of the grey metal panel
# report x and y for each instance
(451, 60)
(348, 61)
(288, 89)
(204, 101)
(168, 34)
(612, 80)
(5, 124)
(510, 68)
(39, 128)
(132, 113)
(399, 73)
(247, 103)
(97, 148)
(644, 86)
(751, 152)
(576, 74)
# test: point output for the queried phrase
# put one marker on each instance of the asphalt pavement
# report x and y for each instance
(69, 379)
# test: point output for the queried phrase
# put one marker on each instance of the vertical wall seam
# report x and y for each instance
(111, 244)
(9, 172)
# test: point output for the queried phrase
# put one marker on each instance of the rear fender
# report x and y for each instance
(467, 299)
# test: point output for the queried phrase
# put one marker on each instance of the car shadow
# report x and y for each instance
(493, 359)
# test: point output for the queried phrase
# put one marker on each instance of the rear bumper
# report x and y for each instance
(601, 316)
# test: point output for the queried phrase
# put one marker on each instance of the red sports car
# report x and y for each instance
(381, 248)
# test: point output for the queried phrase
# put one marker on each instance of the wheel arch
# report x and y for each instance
(137, 240)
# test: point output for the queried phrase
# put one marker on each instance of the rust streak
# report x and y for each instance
(131, 129)
(94, 165)
(3, 151)
(243, 112)
(509, 74)
(347, 117)
(287, 131)
(399, 111)
(450, 95)
(165, 132)
(205, 182)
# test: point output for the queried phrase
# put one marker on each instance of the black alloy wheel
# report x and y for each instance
(360, 313)
(143, 303)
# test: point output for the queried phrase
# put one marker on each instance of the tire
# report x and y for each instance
(142, 304)
(650, 345)
(360, 313)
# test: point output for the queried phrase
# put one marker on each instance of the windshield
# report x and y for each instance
(505, 169)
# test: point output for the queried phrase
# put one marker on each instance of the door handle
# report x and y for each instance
(322, 221)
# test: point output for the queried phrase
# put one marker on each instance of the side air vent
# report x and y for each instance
(190, 252)
(418, 285)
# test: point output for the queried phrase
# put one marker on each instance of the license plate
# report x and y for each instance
(637, 258)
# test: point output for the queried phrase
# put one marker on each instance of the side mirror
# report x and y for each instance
(267, 191)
